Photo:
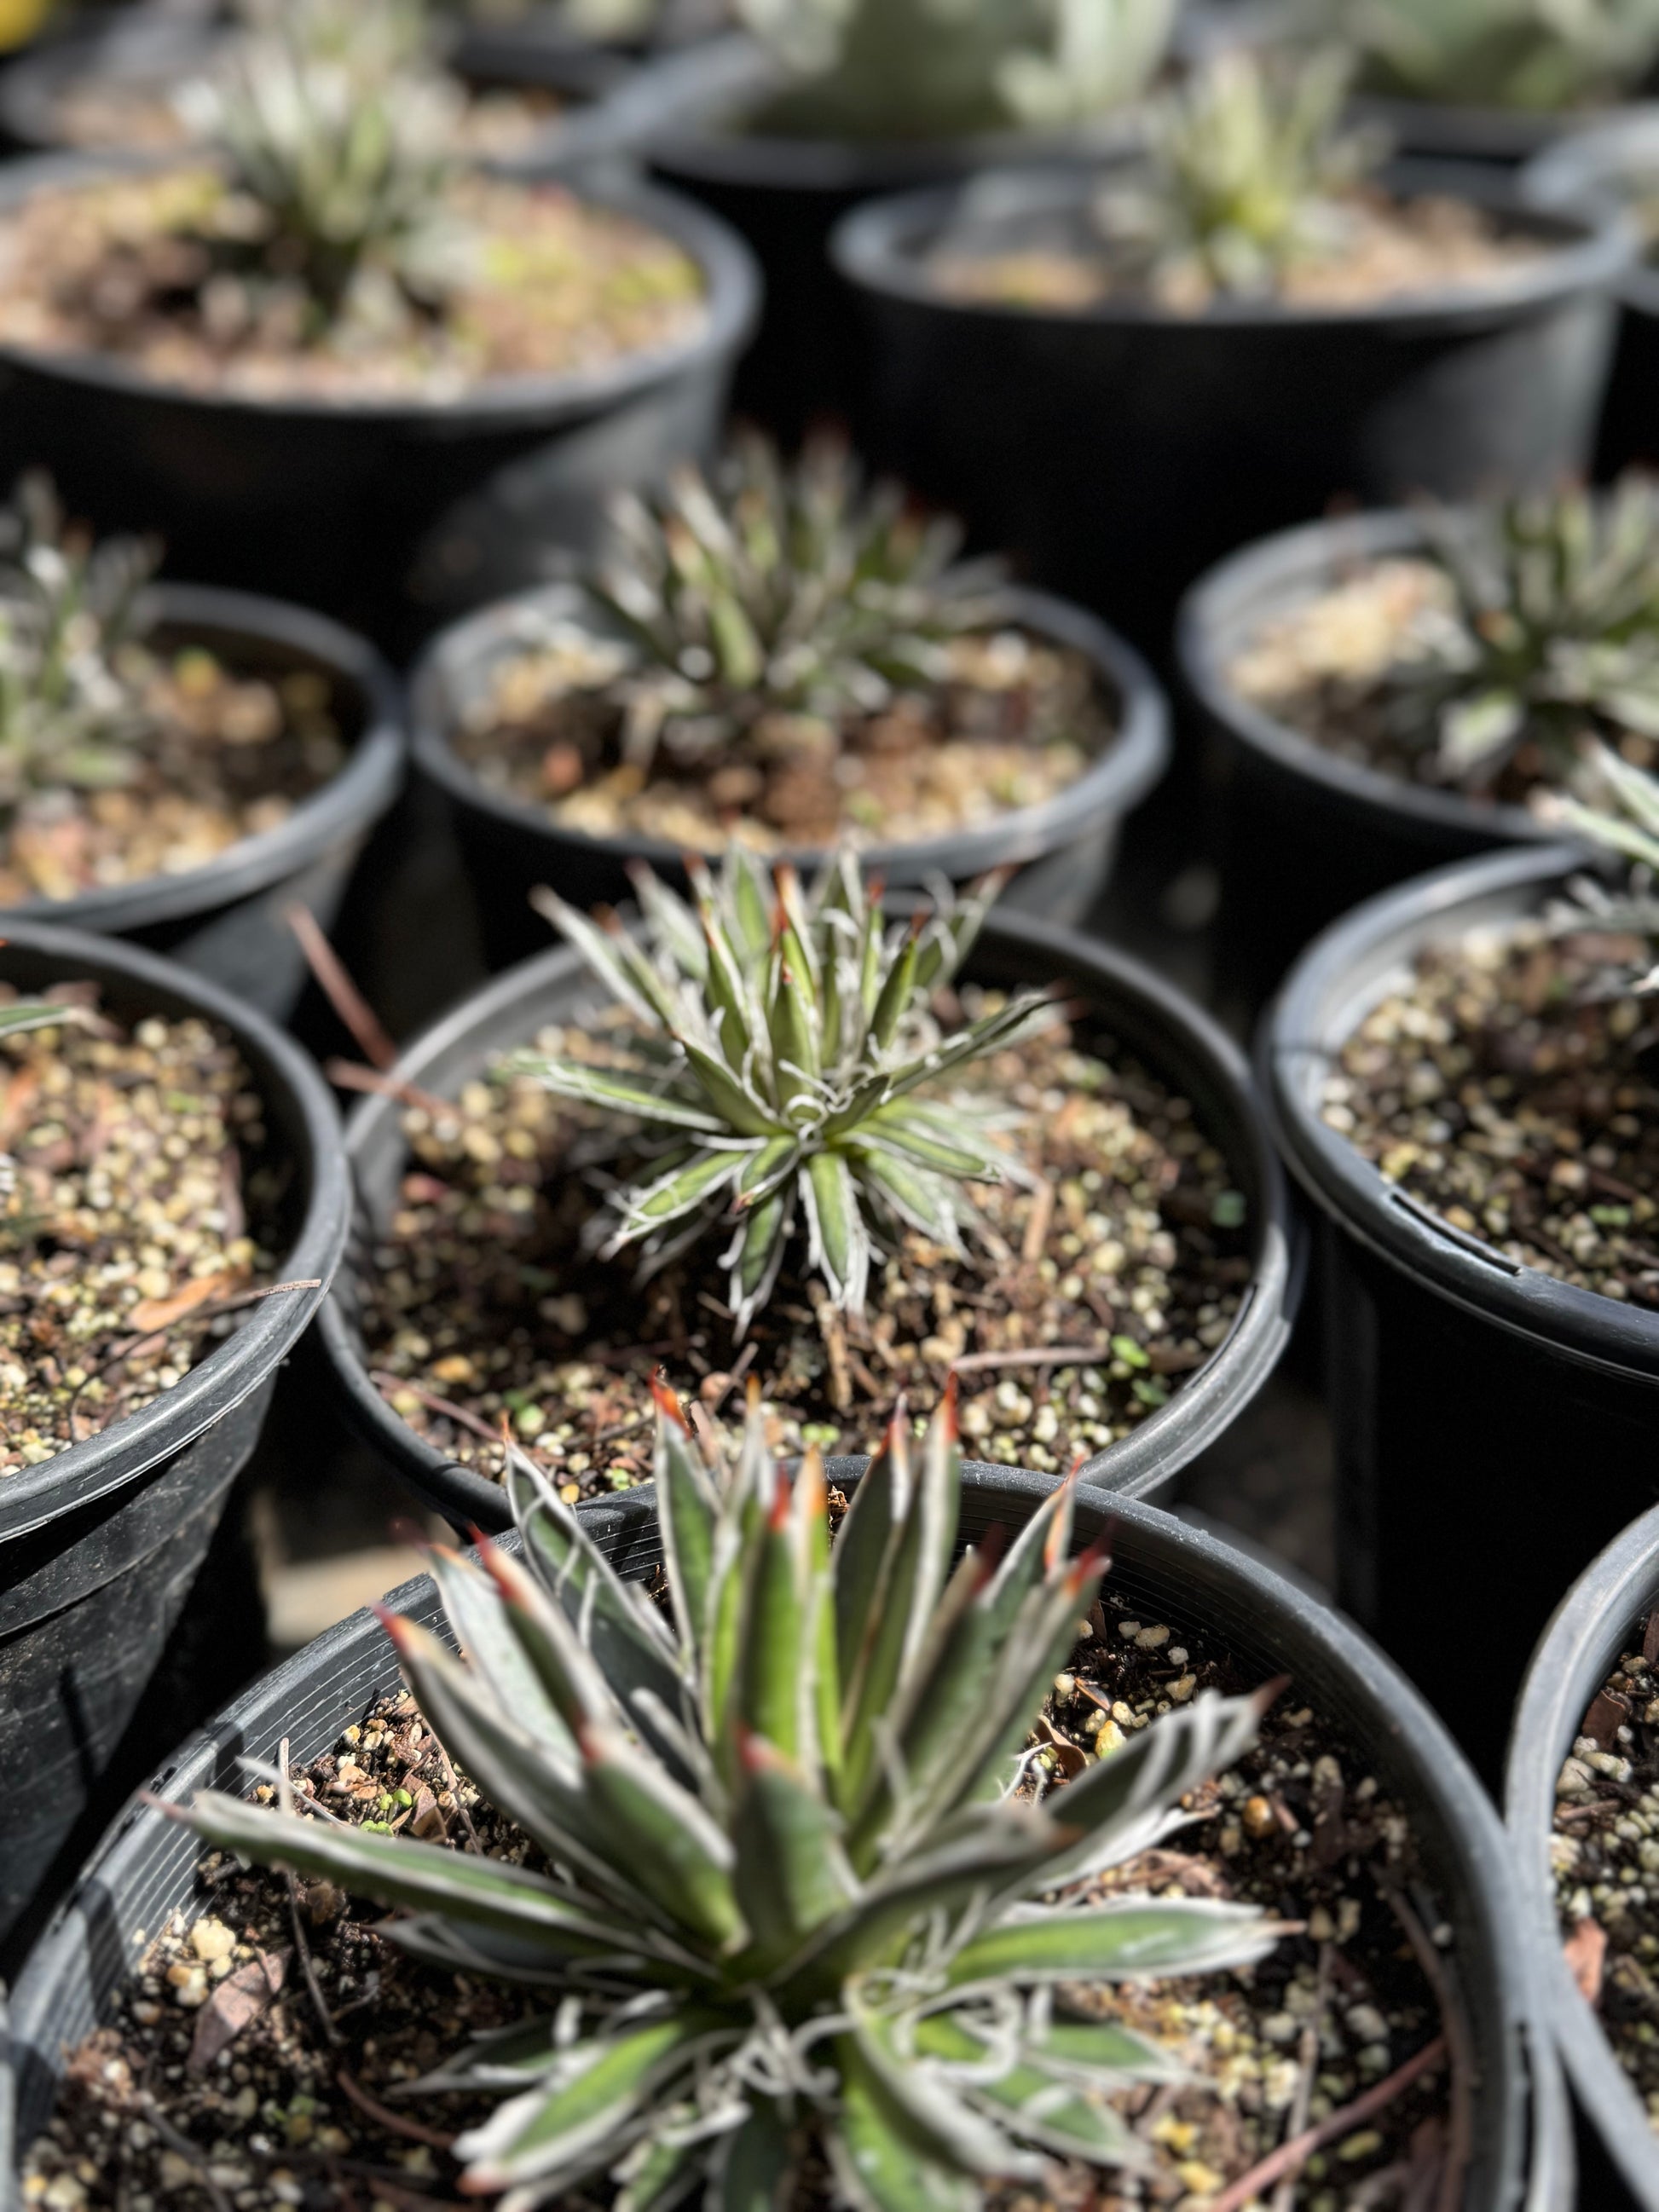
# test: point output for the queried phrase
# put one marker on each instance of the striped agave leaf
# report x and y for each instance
(792, 1908)
(796, 1079)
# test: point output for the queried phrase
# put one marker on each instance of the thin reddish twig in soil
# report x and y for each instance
(385, 2117)
(347, 1075)
(434, 1404)
(1035, 1242)
(209, 1309)
(454, 1788)
(341, 994)
(1290, 2157)
(285, 1806)
(1455, 2032)
(1043, 1355)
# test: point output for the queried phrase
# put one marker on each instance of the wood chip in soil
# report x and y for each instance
(1130, 1256)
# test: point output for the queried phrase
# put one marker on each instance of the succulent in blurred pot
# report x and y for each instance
(794, 1910)
(777, 590)
(71, 712)
(1243, 177)
(935, 68)
(1533, 54)
(1623, 819)
(787, 1059)
(1552, 634)
(337, 128)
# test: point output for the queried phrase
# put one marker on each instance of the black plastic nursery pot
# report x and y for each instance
(1063, 849)
(145, 1869)
(1302, 834)
(1121, 448)
(225, 919)
(1145, 1016)
(785, 194)
(390, 514)
(1609, 162)
(1581, 1647)
(1493, 1426)
(100, 1546)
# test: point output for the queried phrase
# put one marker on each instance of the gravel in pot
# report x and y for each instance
(1160, 1250)
(1459, 1077)
(170, 1156)
(1579, 1797)
(178, 763)
(1382, 1828)
(1090, 366)
(1388, 692)
(856, 686)
(354, 407)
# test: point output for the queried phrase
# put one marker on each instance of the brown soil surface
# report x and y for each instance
(1498, 1091)
(226, 757)
(1017, 723)
(1299, 1828)
(1128, 1260)
(1605, 1849)
(556, 287)
(1390, 249)
(134, 1211)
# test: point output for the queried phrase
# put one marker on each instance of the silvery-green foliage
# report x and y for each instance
(792, 1907)
(922, 69)
(1531, 54)
(1243, 176)
(790, 1070)
(778, 589)
(71, 713)
(1623, 819)
(337, 128)
(1552, 634)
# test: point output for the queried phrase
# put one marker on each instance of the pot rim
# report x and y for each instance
(1109, 786)
(550, 401)
(129, 1447)
(874, 248)
(1591, 159)
(1372, 1699)
(1145, 1459)
(356, 796)
(1308, 557)
(1336, 981)
(1582, 1640)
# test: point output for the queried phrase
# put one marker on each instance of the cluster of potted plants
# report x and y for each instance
(743, 1820)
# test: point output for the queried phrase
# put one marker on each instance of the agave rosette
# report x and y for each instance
(792, 1053)
(791, 1906)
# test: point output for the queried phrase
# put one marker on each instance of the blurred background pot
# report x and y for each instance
(1119, 447)
(224, 919)
(390, 514)
(101, 1544)
(1063, 848)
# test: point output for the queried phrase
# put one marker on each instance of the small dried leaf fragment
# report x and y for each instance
(238, 2001)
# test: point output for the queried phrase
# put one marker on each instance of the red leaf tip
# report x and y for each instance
(667, 1403)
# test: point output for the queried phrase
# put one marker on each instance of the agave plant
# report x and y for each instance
(777, 590)
(1553, 632)
(787, 1050)
(1624, 819)
(1243, 176)
(792, 1907)
(1533, 54)
(71, 712)
(923, 69)
(336, 126)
